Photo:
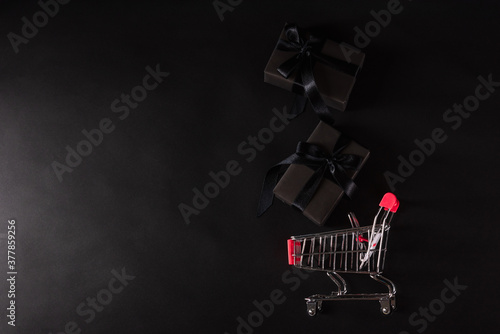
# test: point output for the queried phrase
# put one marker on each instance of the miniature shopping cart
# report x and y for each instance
(358, 250)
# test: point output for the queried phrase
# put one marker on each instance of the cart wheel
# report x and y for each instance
(385, 310)
(320, 306)
(312, 307)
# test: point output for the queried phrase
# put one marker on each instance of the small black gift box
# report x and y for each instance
(319, 174)
(320, 69)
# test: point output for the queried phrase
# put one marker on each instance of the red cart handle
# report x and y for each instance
(389, 202)
(293, 248)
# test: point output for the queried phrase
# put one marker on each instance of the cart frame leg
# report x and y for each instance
(387, 305)
(339, 282)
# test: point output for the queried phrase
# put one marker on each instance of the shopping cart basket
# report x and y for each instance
(358, 250)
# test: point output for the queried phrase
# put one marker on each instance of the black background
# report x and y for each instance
(119, 207)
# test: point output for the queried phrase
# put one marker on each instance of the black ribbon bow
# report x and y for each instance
(332, 165)
(308, 52)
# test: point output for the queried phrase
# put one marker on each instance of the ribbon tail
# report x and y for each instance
(345, 183)
(299, 105)
(267, 194)
(313, 94)
(289, 66)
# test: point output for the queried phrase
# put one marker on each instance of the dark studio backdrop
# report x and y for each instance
(158, 96)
